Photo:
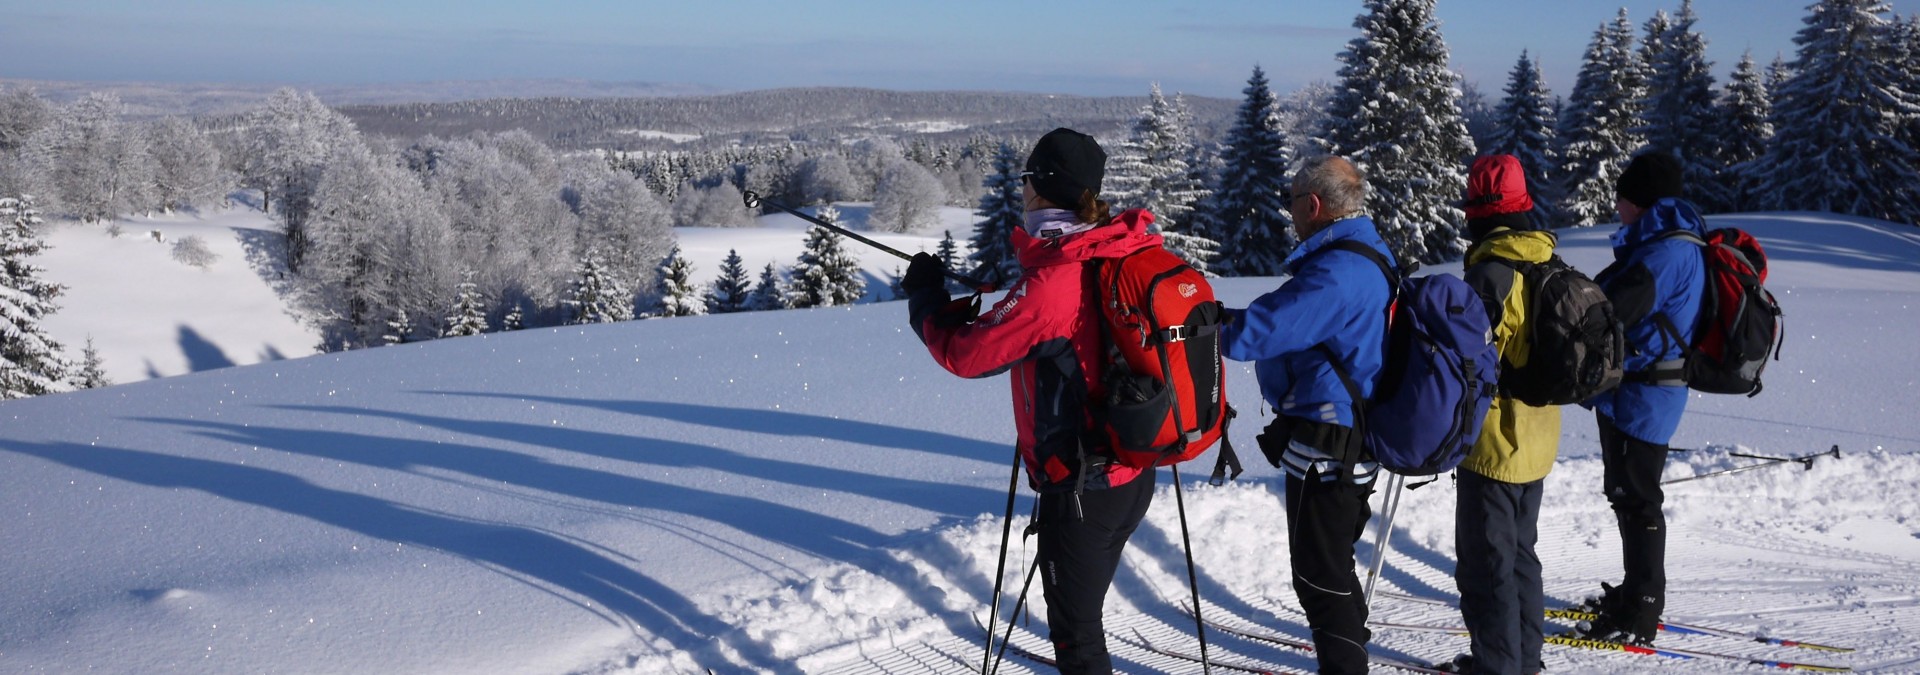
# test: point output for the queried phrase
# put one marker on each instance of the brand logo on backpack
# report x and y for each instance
(1187, 290)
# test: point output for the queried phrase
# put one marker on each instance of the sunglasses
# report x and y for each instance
(1029, 176)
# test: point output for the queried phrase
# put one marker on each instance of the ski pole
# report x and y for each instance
(1000, 571)
(1805, 460)
(1384, 534)
(1193, 580)
(754, 201)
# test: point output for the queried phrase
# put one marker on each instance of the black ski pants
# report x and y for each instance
(1502, 597)
(1632, 482)
(1077, 559)
(1324, 519)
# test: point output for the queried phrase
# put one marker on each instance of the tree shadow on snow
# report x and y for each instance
(779, 423)
(564, 567)
(201, 353)
(817, 534)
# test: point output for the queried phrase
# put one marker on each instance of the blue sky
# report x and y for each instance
(1068, 46)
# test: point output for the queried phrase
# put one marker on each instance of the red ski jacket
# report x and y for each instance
(1046, 333)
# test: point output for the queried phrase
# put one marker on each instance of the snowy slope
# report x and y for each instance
(805, 491)
(152, 316)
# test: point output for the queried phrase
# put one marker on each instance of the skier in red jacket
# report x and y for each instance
(1046, 334)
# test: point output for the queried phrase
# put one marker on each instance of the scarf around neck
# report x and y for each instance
(1054, 223)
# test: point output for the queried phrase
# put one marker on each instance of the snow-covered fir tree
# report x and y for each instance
(732, 289)
(1654, 40)
(1245, 214)
(1396, 115)
(92, 372)
(1678, 115)
(399, 328)
(679, 295)
(30, 361)
(1596, 129)
(1001, 210)
(597, 295)
(827, 274)
(770, 292)
(1778, 73)
(949, 254)
(469, 315)
(514, 320)
(1837, 122)
(1523, 127)
(1744, 132)
(1149, 171)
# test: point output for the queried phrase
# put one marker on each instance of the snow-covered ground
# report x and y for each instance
(805, 491)
(150, 315)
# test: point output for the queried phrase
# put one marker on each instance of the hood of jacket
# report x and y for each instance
(1666, 215)
(1124, 234)
(1534, 246)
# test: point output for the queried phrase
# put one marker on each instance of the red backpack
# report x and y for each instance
(1164, 398)
(1739, 323)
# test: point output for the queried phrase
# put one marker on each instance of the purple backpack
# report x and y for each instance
(1438, 378)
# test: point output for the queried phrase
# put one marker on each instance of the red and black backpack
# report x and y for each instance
(1164, 398)
(1739, 322)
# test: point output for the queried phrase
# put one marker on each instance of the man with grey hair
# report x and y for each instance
(1331, 312)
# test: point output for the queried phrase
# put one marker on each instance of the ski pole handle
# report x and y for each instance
(754, 201)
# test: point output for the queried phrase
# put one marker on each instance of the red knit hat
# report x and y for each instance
(1496, 185)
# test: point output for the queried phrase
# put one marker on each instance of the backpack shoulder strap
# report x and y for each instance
(1380, 261)
(1688, 235)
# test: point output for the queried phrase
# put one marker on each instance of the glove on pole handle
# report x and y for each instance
(754, 201)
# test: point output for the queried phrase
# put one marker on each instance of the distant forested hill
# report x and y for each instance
(771, 116)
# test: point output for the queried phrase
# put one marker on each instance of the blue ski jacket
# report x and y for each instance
(1338, 298)
(1651, 276)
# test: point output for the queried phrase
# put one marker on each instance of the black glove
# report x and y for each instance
(923, 273)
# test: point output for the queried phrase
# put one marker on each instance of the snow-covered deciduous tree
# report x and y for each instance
(22, 112)
(1678, 116)
(469, 313)
(1596, 129)
(827, 274)
(378, 245)
(30, 360)
(191, 250)
(1245, 214)
(598, 296)
(508, 217)
(907, 198)
(187, 166)
(1397, 117)
(826, 178)
(1838, 122)
(717, 206)
(1523, 127)
(770, 292)
(94, 164)
(1001, 210)
(288, 140)
(622, 219)
(678, 294)
(732, 289)
(1744, 132)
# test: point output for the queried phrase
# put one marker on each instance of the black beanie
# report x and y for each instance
(1064, 164)
(1650, 177)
